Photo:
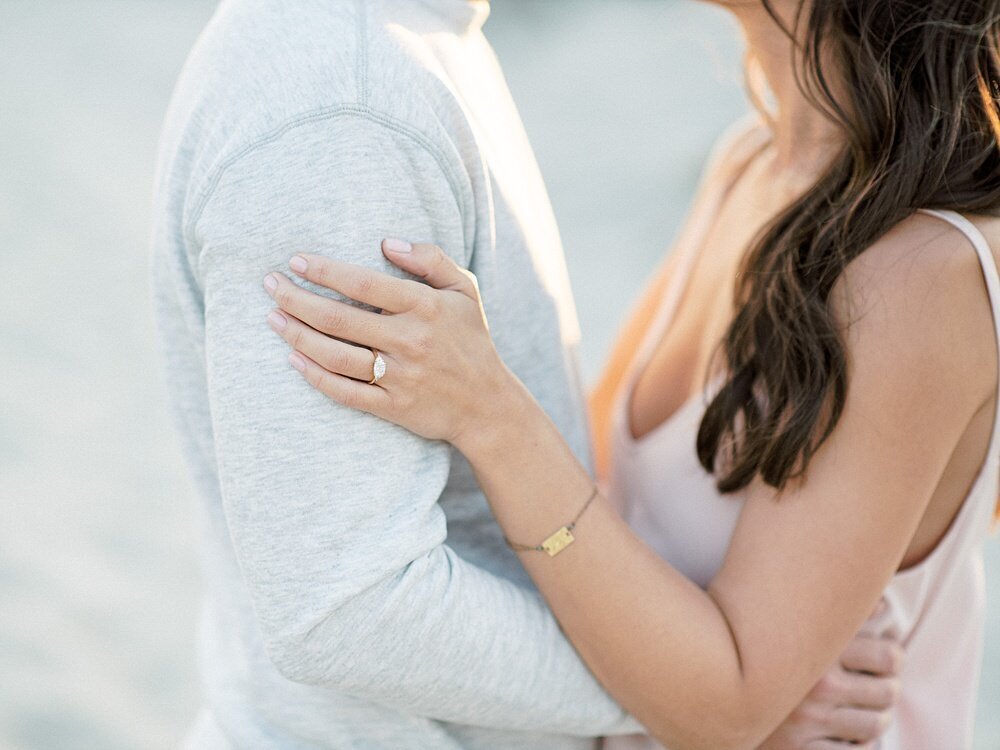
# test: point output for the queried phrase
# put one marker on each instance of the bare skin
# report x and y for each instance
(721, 668)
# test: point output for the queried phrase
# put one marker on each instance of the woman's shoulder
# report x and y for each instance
(926, 250)
(730, 152)
(919, 294)
(735, 146)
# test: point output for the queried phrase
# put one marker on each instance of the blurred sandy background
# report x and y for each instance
(98, 576)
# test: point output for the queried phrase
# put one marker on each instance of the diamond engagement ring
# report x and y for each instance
(378, 368)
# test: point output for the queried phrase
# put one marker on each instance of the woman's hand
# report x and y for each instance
(443, 377)
(851, 706)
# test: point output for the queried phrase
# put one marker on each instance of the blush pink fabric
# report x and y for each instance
(936, 609)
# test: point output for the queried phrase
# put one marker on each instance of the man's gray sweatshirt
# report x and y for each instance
(357, 592)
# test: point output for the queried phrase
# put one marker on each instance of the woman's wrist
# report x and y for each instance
(503, 411)
(531, 477)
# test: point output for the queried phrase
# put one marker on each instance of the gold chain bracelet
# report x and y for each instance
(561, 539)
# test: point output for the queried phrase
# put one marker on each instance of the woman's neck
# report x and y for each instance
(805, 139)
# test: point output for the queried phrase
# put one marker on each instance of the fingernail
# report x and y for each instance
(298, 264)
(398, 246)
(295, 359)
(270, 283)
(277, 320)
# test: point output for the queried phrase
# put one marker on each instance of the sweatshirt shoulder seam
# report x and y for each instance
(359, 111)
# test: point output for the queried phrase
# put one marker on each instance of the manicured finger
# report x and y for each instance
(331, 316)
(877, 656)
(359, 283)
(858, 725)
(431, 264)
(350, 393)
(330, 354)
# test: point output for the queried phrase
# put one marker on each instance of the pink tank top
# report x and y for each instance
(936, 609)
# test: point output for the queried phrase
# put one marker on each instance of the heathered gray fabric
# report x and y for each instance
(357, 592)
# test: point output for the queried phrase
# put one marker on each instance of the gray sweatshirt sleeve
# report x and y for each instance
(333, 513)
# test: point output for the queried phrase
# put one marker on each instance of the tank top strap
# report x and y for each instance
(691, 242)
(991, 275)
(667, 308)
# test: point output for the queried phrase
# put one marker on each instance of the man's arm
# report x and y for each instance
(333, 513)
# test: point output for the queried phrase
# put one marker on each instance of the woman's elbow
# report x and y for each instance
(721, 725)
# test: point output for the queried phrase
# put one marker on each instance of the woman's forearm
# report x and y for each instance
(657, 642)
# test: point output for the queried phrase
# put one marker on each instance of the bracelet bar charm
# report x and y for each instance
(558, 541)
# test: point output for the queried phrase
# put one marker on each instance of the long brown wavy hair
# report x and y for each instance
(918, 102)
